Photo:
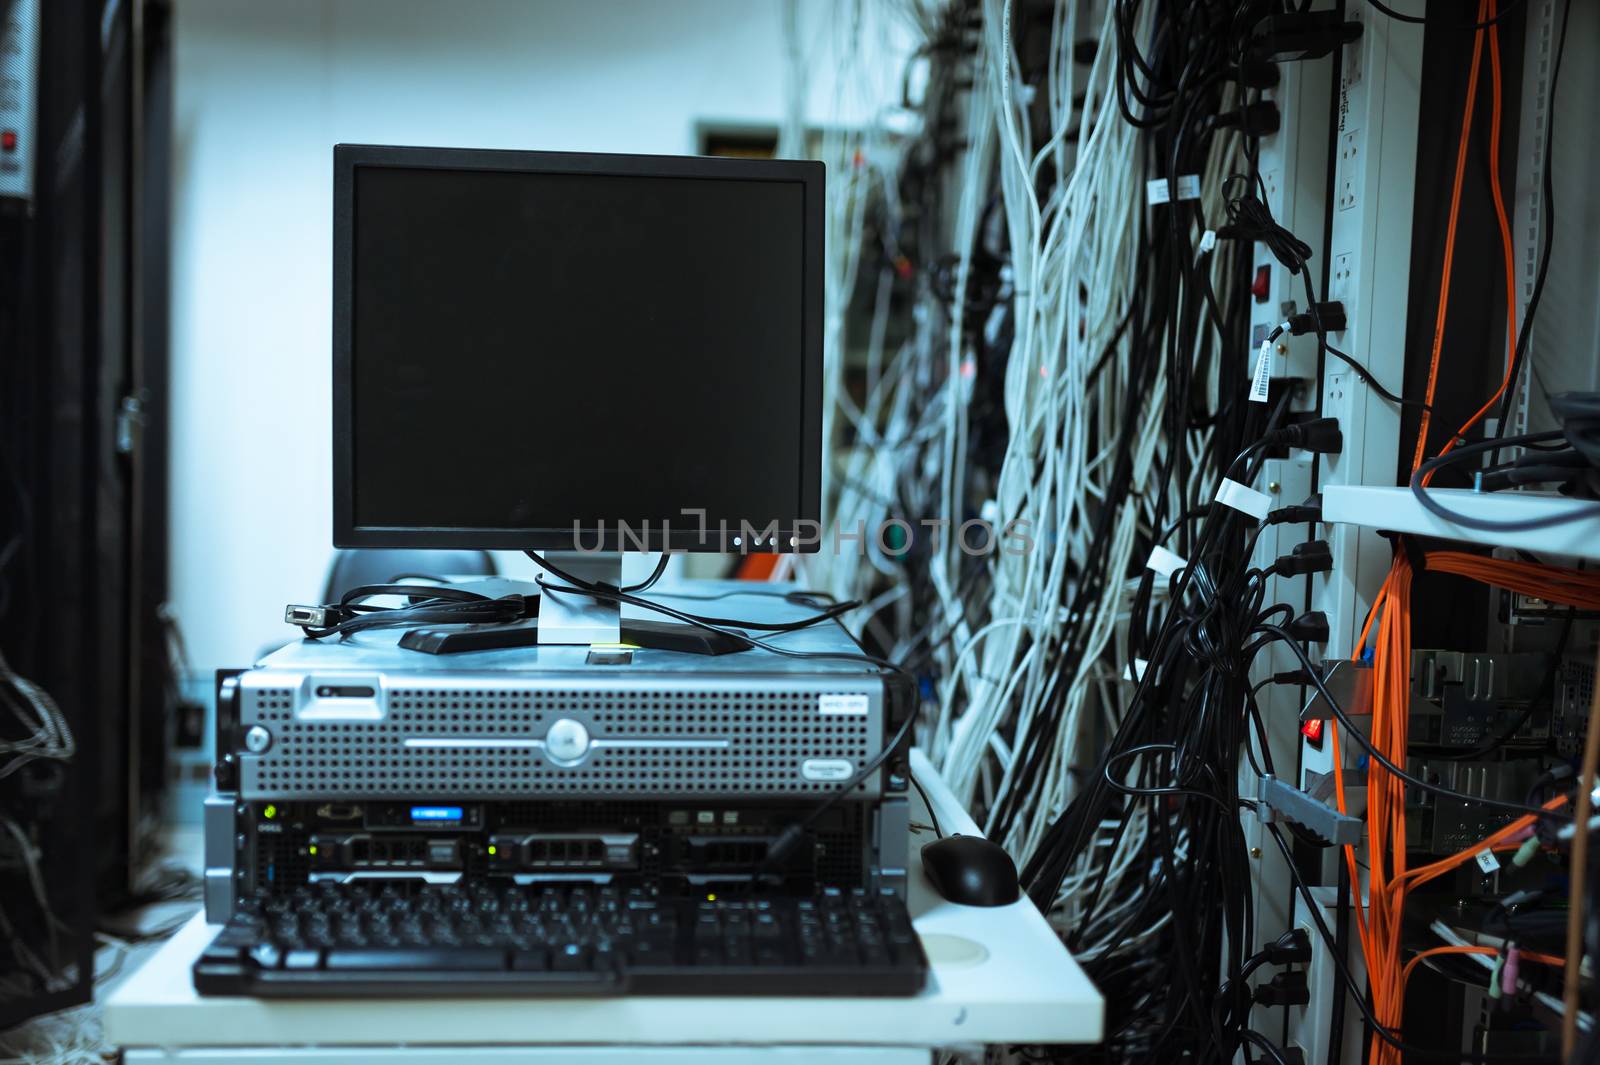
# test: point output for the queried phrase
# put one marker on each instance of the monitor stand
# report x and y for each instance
(568, 618)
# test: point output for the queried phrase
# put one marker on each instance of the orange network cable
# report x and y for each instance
(1388, 878)
(1450, 238)
(1522, 955)
(1501, 839)
(1507, 253)
(1525, 955)
(1389, 881)
(1567, 587)
(1386, 805)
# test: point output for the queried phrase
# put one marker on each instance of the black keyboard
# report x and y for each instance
(393, 938)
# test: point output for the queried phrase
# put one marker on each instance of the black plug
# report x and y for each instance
(1259, 74)
(1312, 626)
(779, 851)
(1320, 435)
(1298, 513)
(1285, 989)
(1329, 312)
(1291, 37)
(1259, 119)
(1298, 677)
(1313, 556)
(1291, 948)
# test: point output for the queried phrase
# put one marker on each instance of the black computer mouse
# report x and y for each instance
(971, 871)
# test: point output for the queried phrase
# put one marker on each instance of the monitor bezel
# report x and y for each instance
(809, 174)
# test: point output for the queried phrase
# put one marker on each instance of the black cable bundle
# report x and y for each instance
(1173, 960)
(426, 604)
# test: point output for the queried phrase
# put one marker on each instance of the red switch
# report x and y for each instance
(1261, 287)
(8, 140)
(1311, 729)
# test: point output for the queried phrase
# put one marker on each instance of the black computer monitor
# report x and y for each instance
(530, 348)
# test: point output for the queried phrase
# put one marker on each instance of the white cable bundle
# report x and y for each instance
(1078, 240)
(1073, 259)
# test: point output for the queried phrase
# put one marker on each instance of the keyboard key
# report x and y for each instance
(569, 957)
(266, 955)
(459, 959)
(530, 961)
(649, 952)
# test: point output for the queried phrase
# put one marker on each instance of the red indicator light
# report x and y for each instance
(8, 140)
(1312, 731)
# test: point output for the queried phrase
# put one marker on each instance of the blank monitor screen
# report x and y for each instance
(532, 348)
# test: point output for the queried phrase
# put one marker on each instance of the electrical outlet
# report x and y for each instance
(1339, 283)
(1334, 393)
(1273, 180)
(1352, 56)
(1336, 403)
(1349, 160)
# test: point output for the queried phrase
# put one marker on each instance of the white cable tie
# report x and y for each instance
(1243, 498)
(1135, 670)
(1165, 562)
(1208, 240)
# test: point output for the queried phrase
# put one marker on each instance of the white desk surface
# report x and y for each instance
(999, 975)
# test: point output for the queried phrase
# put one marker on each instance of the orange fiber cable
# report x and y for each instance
(1386, 820)
(1450, 235)
(1389, 624)
(1507, 253)
(1557, 584)
(1388, 877)
(1525, 955)
(1497, 840)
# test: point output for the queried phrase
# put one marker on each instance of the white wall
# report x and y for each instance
(264, 90)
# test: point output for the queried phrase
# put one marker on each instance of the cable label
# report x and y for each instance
(1243, 498)
(1261, 378)
(1165, 562)
(842, 704)
(1487, 861)
(1135, 670)
(1157, 191)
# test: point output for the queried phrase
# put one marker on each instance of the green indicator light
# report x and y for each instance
(270, 812)
(493, 849)
(311, 850)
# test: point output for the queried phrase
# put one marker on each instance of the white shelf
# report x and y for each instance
(1397, 510)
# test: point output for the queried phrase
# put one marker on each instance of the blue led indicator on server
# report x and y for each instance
(436, 813)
